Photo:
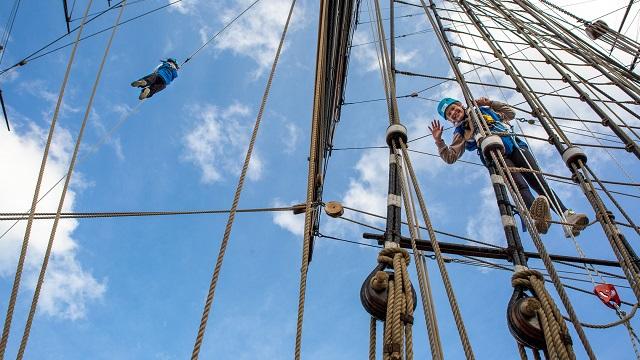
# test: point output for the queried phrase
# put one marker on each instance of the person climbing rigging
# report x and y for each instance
(497, 116)
(162, 76)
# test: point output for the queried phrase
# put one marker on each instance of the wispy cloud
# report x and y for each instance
(185, 7)
(367, 56)
(257, 35)
(218, 142)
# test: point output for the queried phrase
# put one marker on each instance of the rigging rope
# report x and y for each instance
(423, 278)
(4, 40)
(436, 248)
(92, 215)
(45, 262)
(555, 330)
(23, 252)
(36, 54)
(89, 152)
(501, 167)
(236, 198)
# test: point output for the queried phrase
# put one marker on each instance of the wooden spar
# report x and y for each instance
(487, 252)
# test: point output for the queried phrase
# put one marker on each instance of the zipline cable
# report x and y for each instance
(220, 31)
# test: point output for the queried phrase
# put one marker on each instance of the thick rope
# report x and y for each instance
(555, 330)
(613, 235)
(590, 224)
(236, 198)
(501, 166)
(544, 256)
(311, 175)
(421, 269)
(623, 320)
(45, 262)
(372, 339)
(25, 243)
(522, 352)
(399, 319)
(439, 259)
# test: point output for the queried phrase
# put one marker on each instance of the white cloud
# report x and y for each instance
(287, 220)
(485, 225)
(218, 142)
(291, 138)
(184, 7)
(369, 190)
(366, 54)
(68, 287)
(257, 34)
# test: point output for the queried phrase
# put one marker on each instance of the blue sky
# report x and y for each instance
(134, 288)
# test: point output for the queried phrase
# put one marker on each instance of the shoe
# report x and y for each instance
(144, 94)
(578, 223)
(541, 214)
(139, 83)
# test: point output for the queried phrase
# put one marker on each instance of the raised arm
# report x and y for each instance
(448, 153)
(506, 112)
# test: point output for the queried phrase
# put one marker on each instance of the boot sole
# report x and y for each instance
(541, 213)
(144, 94)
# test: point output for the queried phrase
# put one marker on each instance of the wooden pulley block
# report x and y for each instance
(597, 29)
(374, 298)
(524, 324)
(334, 209)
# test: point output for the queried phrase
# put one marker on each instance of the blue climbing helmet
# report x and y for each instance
(174, 62)
(444, 104)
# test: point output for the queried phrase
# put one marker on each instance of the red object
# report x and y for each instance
(608, 294)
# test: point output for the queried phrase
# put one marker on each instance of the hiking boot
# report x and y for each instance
(139, 83)
(578, 223)
(144, 94)
(541, 214)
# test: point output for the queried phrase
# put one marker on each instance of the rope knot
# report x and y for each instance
(530, 306)
(380, 281)
(524, 277)
(386, 255)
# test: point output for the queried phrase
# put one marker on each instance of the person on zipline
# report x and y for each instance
(497, 116)
(162, 76)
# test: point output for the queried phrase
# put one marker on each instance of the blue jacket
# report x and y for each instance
(495, 125)
(167, 72)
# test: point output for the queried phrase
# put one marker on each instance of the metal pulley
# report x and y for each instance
(374, 292)
(524, 324)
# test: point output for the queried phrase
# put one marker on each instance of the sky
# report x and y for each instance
(133, 288)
